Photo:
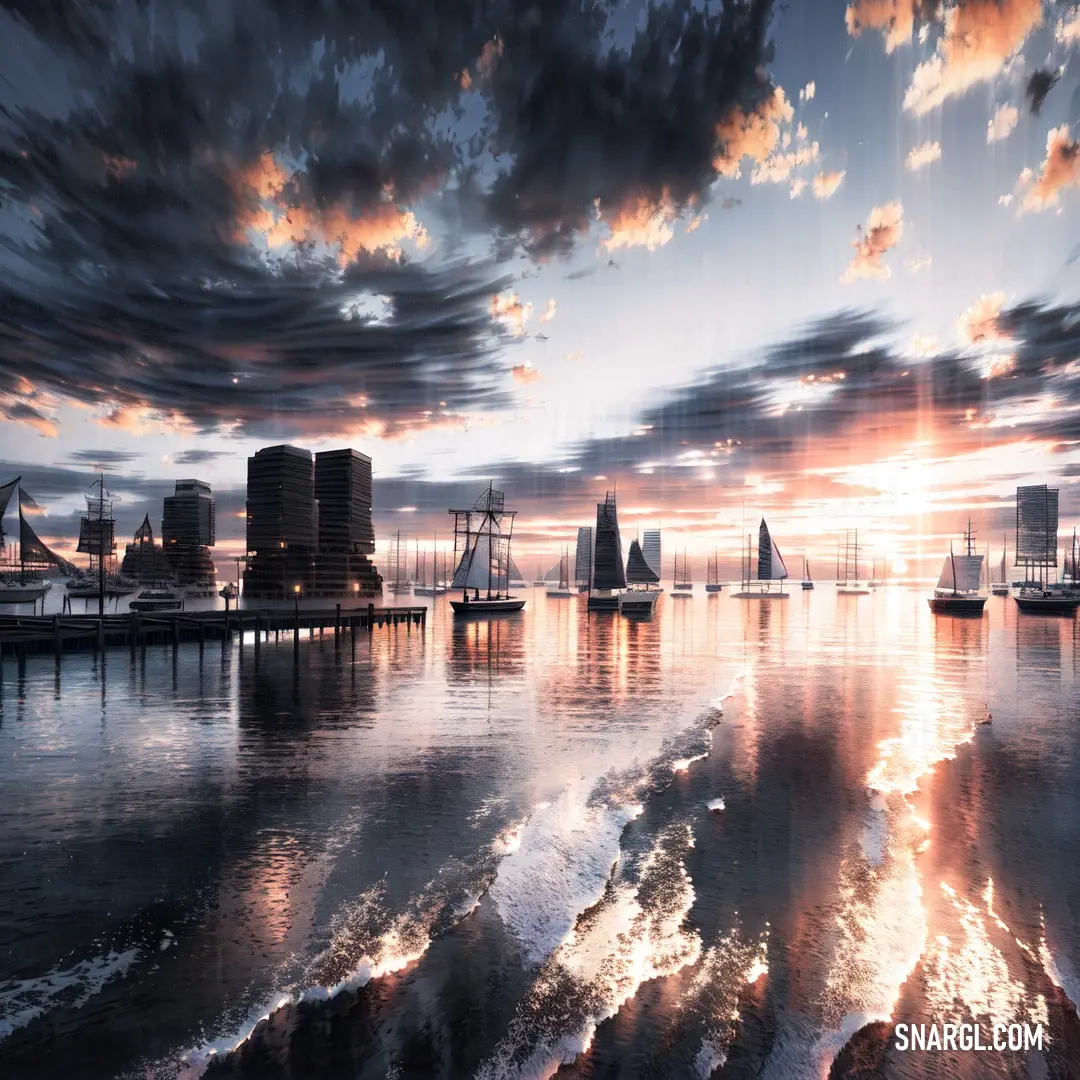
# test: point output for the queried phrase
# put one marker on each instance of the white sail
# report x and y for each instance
(968, 573)
(779, 570)
(475, 570)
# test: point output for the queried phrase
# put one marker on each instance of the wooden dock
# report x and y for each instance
(57, 634)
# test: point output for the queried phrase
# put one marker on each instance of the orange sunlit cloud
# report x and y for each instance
(921, 156)
(119, 166)
(826, 184)
(1067, 30)
(549, 311)
(883, 232)
(380, 228)
(980, 322)
(525, 373)
(894, 18)
(640, 222)
(511, 312)
(979, 38)
(754, 134)
(141, 420)
(1060, 170)
(1001, 124)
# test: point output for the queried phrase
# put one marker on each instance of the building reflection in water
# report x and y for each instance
(486, 648)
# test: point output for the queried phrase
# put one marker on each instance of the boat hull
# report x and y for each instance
(852, 590)
(482, 607)
(637, 602)
(714, 588)
(1000, 590)
(22, 594)
(559, 593)
(762, 594)
(956, 605)
(807, 585)
(1048, 605)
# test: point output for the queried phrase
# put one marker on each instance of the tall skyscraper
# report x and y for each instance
(343, 492)
(188, 516)
(281, 512)
(309, 527)
(187, 534)
(650, 548)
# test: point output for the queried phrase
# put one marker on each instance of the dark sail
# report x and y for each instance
(638, 571)
(770, 564)
(5, 497)
(31, 547)
(607, 553)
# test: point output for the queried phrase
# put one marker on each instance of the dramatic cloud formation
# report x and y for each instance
(894, 18)
(1002, 123)
(1060, 170)
(978, 39)
(883, 231)
(980, 322)
(222, 230)
(509, 310)
(1067, 30)
(103, 460)
(827, 184)
(924, 154)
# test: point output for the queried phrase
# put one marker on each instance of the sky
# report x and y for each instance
(811, 261)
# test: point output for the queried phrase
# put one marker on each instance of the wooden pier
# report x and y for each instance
(57, 634)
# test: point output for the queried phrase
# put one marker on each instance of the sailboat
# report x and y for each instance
(1001, 587)
(959, 587)
(539, 582)
(399, 581)
(641, 584)
(807, 581)
(437, 587)
(681, 585)
(563, 589)
(21, 579)
(849, 585)
(583, 559)
(482, 534)
(770, 569)
(712, 575)
(607, 575)
(97, 538)
(874, 583)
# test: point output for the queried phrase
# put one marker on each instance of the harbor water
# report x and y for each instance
(740, 838)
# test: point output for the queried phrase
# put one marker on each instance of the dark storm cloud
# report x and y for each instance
(103, 459)
(182, 127)
(199, 457)
(1039, 85)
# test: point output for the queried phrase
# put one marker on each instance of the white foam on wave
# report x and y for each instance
(635, 933)
(716, 805)
(23, 1000)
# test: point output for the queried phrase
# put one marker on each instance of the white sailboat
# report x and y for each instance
(21, 577)
(642, 583)
(959, 586)
(437, 586)
(770, 569)
(1001, 586)
(482, 534)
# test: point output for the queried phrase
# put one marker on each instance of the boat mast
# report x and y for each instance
(487, 519)
(952, 560)
(101, 545)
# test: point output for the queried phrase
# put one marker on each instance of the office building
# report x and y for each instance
(188, 528)
(309, 528)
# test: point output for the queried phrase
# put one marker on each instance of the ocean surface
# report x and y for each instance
(741, 839)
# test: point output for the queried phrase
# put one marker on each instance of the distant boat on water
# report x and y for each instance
(482, 535)
(642, 583)
(712, 575)
(1001, 586)
(563, 589)
(807, 582)
(607, 575)
(848, 583)
(1036, 551)
(157, 600)
(959, 586)
(770, 569)
(681, 586)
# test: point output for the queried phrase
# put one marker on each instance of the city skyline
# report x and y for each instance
(711, 334)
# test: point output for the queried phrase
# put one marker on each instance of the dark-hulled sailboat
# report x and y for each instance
(482, 537)
(608, 576)
(959, 587)
(641, 592)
